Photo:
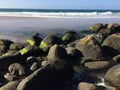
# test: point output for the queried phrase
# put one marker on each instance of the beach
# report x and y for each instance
(21, 28)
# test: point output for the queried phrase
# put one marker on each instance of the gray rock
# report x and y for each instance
(112, 44)
(48, 41)
(96, 65)
(17, 69)
(112, 76)
(95, 28)
(89, 48)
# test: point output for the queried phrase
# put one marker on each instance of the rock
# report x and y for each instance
(117, 58)
(31, 60)
(95, 28)
(10, 77)
(45, 78)
(35, 40)
(2, 49)
(99, 38)
(30, 51)
(112, 76)
(10, 86)
(48, 41)
(89, 86)
(56, 52)
(8, 59)
(70, 36)
(73, 52)
(16, 69)
(96, 65)
(34, 66)
(115, 27)
(112, 44)
(89, 48)
(105, 32)
(16, 46)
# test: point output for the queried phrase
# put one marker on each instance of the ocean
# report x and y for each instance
(20, 24)
(61, 13)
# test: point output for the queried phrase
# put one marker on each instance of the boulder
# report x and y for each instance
(89, 48)
(34, 66)
(105, 32)
(16, 46)
(112, 44)
(70, 36)
(73, 52)
(95, 28)
(10, 86)
(45, 78)
(56, 52)
(96, 65)
(115, 27)
(9, 58)
(48, 41)
(2, 49)
(112, 76)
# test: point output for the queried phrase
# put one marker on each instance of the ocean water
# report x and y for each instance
(20, 24)
(61, 13)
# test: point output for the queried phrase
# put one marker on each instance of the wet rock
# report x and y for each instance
(95, 28)
(112, 44)
(70, 36)
(112, 76)
(10, 86)
(96, 65)
(16, 46)
(48, 41)
(89, 48)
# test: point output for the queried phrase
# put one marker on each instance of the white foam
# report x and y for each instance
(107, 14)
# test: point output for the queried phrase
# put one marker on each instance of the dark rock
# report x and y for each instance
(45, 78)
(56, 52)
(89, 48)
(112, 44)
(105, 32)
(112, 76)
(16, 46)
(99, 38)
(95, 28)
(73, 52)
(30, 51)
(70, 36)
(9, 58)
(2, 49)
(10, 86)
(35, 40)
(48, 41)
(96, 65)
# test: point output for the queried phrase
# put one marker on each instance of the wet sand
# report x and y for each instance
(21, 28)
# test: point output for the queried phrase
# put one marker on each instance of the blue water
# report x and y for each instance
(61, 13)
